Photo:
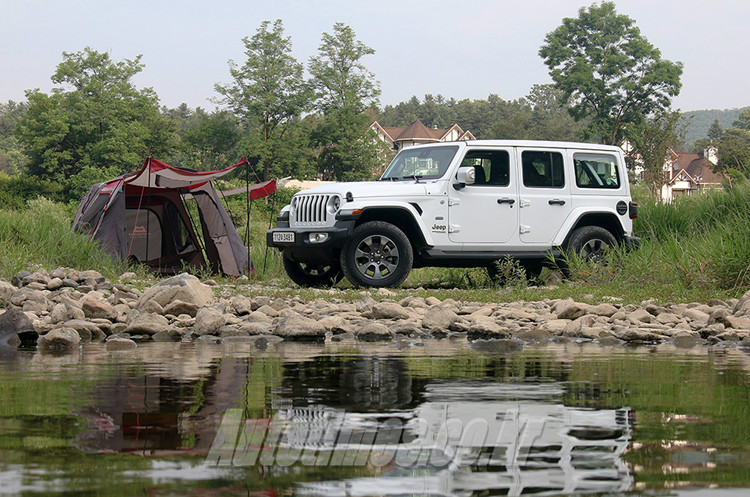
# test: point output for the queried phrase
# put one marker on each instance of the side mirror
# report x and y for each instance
(465, 176)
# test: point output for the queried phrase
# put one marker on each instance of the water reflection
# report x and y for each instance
(315, 420)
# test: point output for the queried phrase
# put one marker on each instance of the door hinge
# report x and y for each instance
(524, 203)
(453, 201)
(524, 229)
(454, 228)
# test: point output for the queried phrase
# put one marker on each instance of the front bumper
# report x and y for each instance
(334, 236)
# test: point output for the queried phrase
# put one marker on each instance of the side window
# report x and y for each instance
(492, 167)
(596, 171)
(543, 169)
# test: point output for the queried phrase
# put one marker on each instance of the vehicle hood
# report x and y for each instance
(370, 189)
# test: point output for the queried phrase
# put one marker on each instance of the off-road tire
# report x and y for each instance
(312, 274)
(591, 242)
(378, 254)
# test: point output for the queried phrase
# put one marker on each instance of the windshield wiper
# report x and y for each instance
(415, 177)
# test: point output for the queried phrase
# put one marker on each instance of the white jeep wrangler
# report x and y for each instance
(459, 204)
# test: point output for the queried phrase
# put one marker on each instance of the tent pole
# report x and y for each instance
(148, 213)
(247, 218)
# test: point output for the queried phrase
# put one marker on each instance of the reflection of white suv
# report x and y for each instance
(459, 204)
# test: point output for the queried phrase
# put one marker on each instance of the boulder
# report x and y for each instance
(498, 346)
(120, 344)
(145, 323)
(208, 321)
(15, 328)
(439, 318)
(373, 332)
(98, 309)
(184, 287)
(389, 310)
(59, 340)
(298, 327)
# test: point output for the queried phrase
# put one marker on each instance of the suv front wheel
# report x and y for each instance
(306, 274)
(378, 254)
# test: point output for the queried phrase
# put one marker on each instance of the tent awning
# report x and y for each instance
(157, 174)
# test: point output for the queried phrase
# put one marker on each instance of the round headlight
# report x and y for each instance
(334, 204)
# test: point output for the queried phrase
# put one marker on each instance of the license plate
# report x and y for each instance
(283, 237)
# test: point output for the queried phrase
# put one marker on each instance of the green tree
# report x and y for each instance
(268, 94)
(609, 70)
(715, 131)
(734, 149)
(96, 119)
(345, 90)
(651, 139)
(12, 158)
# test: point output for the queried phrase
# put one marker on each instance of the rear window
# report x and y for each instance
(596, 171)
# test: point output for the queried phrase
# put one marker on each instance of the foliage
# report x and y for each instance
(542, 115)
(16, 190)
(734, 149)
(700, 121)
(609, 69)
(268, 93)
(40, 235)
(345, 89)
(651, 139)
(100, 119)
(12, 158)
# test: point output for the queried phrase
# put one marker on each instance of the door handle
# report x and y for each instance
(510, 201)
(555, 201)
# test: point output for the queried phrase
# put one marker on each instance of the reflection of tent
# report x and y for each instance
(143, 216)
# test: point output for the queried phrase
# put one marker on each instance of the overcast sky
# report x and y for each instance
(460, 49)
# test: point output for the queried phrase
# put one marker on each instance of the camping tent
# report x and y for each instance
(142, 216)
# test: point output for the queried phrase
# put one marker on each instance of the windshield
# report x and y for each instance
(423, 162)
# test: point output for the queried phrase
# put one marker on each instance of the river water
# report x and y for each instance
(359, 419)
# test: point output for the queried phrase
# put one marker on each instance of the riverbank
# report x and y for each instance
(60, 309)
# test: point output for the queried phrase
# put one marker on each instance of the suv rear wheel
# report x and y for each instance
(378, 254)
(591, 242)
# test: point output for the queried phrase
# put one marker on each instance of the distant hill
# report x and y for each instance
(702, 119)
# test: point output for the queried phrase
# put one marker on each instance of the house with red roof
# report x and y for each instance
(417, 133)
(686, 174)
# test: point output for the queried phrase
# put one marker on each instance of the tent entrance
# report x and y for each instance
(159, 233)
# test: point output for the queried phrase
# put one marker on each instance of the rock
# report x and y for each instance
(85, 329)
(738, 323)
(389, 310)
(486, 328)
(168, 335)
(59, 340)
(120, 344)
(537, 335)
(145, 323)
(640, 316)
(208, 321)
(498, 346)
(568, 309)
(24, 294)
(439, 319)
(686, 340)
(177, 307)
(268, 311)
(605, 310)
(184, 287)
(241, 305)
(98, 309)
(372, 332)
(609, 341)
(298, 327)
(65, 312)
(638, 335)
(15, 328)
(18, 279)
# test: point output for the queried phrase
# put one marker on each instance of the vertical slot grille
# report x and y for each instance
(311, 210)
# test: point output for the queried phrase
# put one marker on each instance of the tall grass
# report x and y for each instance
(40, 236)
